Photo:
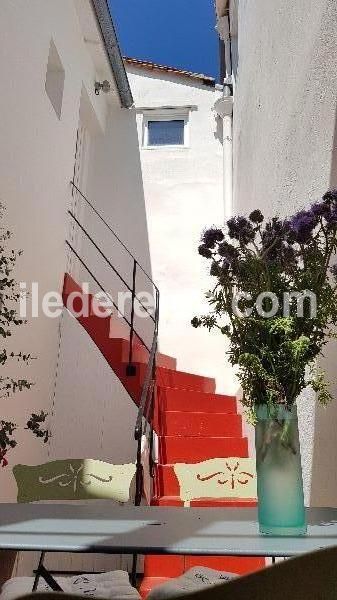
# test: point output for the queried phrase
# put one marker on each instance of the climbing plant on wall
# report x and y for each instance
(9, 320)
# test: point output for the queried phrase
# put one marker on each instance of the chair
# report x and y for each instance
(217, 478)
(72, 479)
(308, 577)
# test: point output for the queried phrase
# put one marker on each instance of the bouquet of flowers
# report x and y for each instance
(275, 299)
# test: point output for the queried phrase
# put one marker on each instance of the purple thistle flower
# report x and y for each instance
(228, 251)
(204, 251)
(239, 228)
(196, 322)
(256, 216)
(320, 209)
(303, 224)
(273, 236)
(211, 236)
(330, 197)
(331, 217)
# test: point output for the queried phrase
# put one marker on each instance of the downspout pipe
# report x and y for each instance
(224, 109)
(223, 28)
(114, 55)
(226, 32)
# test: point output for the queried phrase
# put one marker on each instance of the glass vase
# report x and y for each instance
(281, 509)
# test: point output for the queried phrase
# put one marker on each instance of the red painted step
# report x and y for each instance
(118, 350)
(157, 569)
(159, 564)
(165, 481)
(173, 449)
(109, 333)
(148, 583)
(100, 330)
(165, 361)
(205, 502)
(178, 564)
(185, 381)
(186, 401)
(173, 378)
(166, 501)
(133, 384)
(200, 424)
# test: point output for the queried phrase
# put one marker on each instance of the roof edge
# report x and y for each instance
(109, 38)
(152, 66)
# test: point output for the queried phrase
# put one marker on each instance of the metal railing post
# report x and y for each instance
(131, 369)
(139, 473)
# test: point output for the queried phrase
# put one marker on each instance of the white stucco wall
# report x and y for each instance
(36, 165)
(37, 155)
(36, 162)
(285, 154)
(115, 186)
(183, 195)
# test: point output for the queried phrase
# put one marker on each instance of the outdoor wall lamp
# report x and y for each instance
(103, 86)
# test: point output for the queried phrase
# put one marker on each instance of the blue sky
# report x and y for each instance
(178, 33)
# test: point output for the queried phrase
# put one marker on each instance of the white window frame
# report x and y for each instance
(166, 115)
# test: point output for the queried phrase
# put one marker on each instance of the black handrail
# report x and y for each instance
(113, 233)
(132, 290)
(146, 404)
(130, 368)
(144, 410)
(103, 290)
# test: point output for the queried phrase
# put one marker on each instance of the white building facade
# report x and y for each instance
(180, 138)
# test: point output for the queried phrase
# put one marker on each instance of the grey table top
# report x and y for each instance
(114, 529)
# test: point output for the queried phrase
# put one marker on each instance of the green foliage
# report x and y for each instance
(288, 258)
(34, 424)
(9, 319)
(6, 440)
(321, 387)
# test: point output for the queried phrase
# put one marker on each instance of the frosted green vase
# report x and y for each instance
(281, 509)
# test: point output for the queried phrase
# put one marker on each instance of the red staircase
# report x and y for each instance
(193, 424)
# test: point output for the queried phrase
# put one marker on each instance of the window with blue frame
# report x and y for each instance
(166, 133)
